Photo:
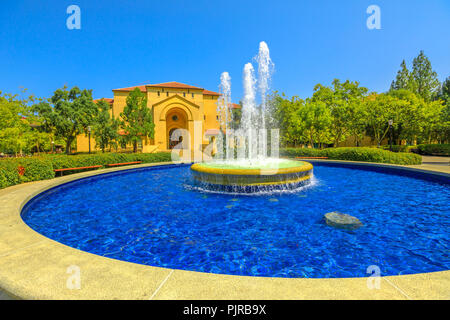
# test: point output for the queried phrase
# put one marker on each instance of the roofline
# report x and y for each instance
(173, 87)
(204, 91)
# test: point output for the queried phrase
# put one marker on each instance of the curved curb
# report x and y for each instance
(252, 172)
(35, 267)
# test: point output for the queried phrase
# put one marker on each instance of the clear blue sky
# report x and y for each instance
(125, 43)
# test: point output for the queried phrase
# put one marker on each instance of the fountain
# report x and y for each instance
(242, 164)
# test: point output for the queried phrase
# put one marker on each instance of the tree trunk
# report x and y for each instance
(135, 147)
(68, 143)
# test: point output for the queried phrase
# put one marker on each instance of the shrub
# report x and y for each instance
(356, 154)
(434, 149)
(18, 170)
(9, 175)
(399, 148)
(301, 152)
(86, 160)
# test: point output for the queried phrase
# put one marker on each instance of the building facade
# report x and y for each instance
(174, 106)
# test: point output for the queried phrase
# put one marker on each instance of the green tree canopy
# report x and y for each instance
(445, 91)
(137, 119)
(68, 113)
(286, 118)
(106, 128)
(425, 82)
(343, 100)
(20, 130)
(316, 120)
(403, 78)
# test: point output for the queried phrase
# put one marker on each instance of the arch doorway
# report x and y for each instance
(176, 118)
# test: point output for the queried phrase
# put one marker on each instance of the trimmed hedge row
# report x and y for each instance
(356, 154)
(434, 149)
(399, 148)
(86, 160)
(19, 170)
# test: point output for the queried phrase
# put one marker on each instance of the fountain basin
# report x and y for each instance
(252, 176)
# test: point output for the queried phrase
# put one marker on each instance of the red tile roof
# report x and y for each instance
(210, 93)
(172, 84)
(110, 101)
(141, 87)
(235, 106)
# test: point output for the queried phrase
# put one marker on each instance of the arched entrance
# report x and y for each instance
(176, 118)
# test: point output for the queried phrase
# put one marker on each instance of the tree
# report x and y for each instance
(19, 126)
(69, 114)
(105, 128)
(425, 82)
(444, 94)
(403, 78)
(436, 124)
(409, 115)
(286, 118)
(380, 108)
(343, 100)
(316, 119)
(137, 119)
(11, 126)
(357, 124)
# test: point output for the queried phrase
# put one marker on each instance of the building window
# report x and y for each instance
(192, 95)
(158, 93)
(167, 94)
(175, 118)
(184, 94)
(204, 117)
(217, 117)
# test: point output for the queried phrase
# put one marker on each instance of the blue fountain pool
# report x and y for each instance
(155, 217)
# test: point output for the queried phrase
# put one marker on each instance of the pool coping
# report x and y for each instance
(33, 266)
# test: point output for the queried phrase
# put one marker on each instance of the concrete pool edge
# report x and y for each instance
(35, 267)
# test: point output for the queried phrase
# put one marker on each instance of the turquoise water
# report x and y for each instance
(155, 216)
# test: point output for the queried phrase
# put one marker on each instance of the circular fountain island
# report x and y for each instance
(251, 176)
(242, 163)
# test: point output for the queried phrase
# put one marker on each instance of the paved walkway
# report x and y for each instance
(435, 163)
(4, 296)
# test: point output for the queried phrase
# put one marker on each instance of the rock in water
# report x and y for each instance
(342, 221)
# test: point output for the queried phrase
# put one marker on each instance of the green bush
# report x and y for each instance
(356, 154)
(87, 160)
(434, 149)
(9, 174)
(18, 170)
(399, 148)
(300, 152)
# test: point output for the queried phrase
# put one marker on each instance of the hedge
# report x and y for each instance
(19, 170)
(355, 154)
(399, 148)
(434, 149)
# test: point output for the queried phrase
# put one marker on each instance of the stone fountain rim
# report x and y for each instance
(34, 266)
(202, 168)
